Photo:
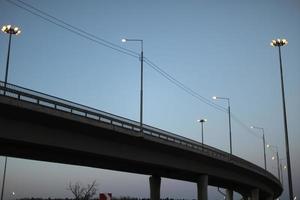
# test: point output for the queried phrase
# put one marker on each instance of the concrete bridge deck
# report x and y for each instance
(42, 127)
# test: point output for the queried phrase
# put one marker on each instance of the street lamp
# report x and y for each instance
(142, 68)
(282, 167)
(13, 195)
(11, 30)
(202, 121)
(229, 119)
(277, 158)
(264, 143)
(273, 157)
(279, 43)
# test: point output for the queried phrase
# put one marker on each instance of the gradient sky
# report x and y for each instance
(214, 47)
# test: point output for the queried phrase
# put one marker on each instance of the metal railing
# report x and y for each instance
(45, 100)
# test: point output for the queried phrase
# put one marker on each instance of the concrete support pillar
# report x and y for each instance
(229, 194)
(202, 187)
(255, 194)
(154, 187)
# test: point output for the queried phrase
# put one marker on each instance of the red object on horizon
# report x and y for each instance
(105, 196)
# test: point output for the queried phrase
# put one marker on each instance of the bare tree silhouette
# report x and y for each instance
(83, 193)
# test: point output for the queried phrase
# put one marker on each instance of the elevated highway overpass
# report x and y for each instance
(42, 127)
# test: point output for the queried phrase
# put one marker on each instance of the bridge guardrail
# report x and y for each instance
(60, 104)
(75, 108)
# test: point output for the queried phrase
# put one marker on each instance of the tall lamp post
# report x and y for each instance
(279, 43)
(10, 30)
(277, 158)
(264, 143)
(142, 69)
(229, 118)
(202, 121)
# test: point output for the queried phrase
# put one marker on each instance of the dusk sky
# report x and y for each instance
(214, 47)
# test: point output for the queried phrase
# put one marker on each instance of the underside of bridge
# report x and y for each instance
(34, 132)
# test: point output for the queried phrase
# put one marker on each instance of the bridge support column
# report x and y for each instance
(202, 187)
(154, 187)
(229, 194)
(255, 194)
